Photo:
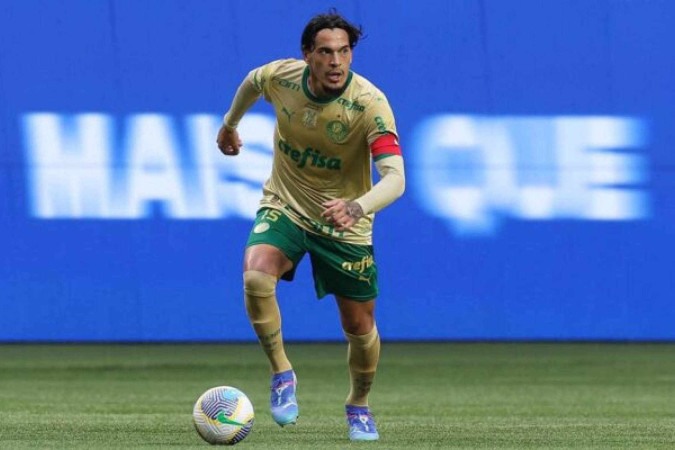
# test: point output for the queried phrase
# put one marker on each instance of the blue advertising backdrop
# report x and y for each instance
(538, 139)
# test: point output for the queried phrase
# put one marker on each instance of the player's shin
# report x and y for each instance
(363, 356)
(265, 317)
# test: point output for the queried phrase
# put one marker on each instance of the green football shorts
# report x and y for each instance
(339, 268)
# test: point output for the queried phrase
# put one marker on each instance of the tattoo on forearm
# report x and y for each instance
(354, 210)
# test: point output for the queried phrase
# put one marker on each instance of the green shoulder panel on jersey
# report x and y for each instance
(257, 78)
(257, 82)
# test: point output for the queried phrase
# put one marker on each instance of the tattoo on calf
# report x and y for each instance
(362, 384)
(269, 341)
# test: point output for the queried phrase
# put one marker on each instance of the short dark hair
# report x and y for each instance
(329, 20)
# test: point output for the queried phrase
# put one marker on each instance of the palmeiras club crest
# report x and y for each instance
(337, 131)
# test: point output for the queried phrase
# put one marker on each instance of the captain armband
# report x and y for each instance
(385, 145)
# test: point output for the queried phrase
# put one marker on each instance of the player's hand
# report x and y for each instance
(228, 141)
(342, 214)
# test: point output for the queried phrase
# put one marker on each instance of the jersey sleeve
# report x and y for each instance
(260, 77)
(379, 119)
(252, 87)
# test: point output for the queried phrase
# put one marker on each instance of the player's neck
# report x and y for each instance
(321, 95)
(312, 91)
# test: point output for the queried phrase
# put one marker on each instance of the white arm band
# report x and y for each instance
(389, 188)
(245, 97)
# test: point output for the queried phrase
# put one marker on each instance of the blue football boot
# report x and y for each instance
(283, 403)
(361, 424)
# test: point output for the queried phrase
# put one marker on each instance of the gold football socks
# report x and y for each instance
(263, 312)
(363, 356)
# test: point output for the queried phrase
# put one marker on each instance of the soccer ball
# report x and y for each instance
(223, 415)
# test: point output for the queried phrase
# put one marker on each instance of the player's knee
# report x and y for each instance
(259, 284)
(358, 324)
(363, 340)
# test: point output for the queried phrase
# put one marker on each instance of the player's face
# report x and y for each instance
(329, 62)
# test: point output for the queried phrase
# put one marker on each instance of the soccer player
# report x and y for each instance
(331, 124)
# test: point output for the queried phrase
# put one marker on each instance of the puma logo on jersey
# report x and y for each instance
(287, 112)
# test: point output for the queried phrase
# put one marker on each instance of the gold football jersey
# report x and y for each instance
(321, 146)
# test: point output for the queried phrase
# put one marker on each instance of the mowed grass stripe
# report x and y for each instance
(427, 395)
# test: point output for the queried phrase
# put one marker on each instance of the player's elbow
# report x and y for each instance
(399, 185)
(393, 171)
(396, 173)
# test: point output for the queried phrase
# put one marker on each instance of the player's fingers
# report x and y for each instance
(228, 141)
(341, 217)
(330, 203)
(337, 216)
(335, 206)
(345, 224)
(330, 212)
(229, 150)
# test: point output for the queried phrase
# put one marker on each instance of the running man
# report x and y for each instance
(331, 124)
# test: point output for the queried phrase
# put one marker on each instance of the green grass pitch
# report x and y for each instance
(442, 396)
